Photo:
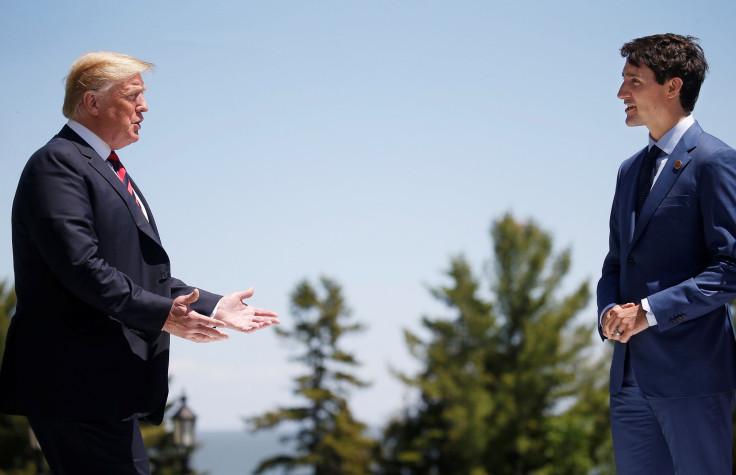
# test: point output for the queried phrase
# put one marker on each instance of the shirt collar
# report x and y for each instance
(99, 146)
(669, 140)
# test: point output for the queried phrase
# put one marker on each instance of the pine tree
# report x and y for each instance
(329, 439)
(506, 386)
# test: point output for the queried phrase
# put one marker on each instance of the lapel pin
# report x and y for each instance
(678, 164)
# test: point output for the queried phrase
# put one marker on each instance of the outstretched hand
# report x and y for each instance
(190, 325)
(241, 317)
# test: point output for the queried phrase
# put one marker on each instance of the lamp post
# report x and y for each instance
(184, 420)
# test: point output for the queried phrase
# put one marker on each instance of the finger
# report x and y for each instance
(193, 318)
(611, 318)
(212, 332)
(262, 312)
(204, 338)
(254, 328)
(611, 323)
(615, 333)
(213, 322)
(199, 319)
(269, 320)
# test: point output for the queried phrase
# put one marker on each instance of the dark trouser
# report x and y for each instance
(91, 448)
(663, 436)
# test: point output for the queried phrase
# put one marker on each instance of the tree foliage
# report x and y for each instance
(329, 439)
(507, 385)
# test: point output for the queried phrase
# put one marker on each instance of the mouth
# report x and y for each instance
(630, 107)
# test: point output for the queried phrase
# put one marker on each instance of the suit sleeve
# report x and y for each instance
(206, 302)
(715, 286)
(607, 292)
(55, 205)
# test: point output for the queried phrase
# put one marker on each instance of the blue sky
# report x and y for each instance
(368, 141)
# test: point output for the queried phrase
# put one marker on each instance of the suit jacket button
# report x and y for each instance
(164, 276)
(631, 261)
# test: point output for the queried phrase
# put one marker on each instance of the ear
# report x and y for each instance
(674, 86)
(91, 104)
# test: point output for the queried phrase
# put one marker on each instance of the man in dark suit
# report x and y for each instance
(87, 350)
(670, 273)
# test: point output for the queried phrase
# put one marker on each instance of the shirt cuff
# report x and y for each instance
(650, 315)
(214, 311)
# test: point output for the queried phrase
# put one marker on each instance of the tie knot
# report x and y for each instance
(113, 156)
(654, 152)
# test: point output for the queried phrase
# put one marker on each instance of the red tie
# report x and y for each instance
(117, 165)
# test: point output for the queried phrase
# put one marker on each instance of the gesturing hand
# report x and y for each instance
(190, 325)
(242, 317)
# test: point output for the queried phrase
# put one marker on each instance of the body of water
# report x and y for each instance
(233, 452)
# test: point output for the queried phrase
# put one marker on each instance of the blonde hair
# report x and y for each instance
(97, 71)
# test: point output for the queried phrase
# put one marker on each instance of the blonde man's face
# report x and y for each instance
(121, 113)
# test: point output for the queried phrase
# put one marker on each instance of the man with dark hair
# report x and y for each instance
(670, 273)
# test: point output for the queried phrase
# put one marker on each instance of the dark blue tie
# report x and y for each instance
(646, 176)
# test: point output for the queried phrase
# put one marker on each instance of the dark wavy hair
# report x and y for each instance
(671, 56)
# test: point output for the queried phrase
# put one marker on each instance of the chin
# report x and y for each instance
(125, 143)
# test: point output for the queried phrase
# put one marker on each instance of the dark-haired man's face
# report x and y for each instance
(645, 100)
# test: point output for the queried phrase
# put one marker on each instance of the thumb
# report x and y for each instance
(190, 298)
(245, 294)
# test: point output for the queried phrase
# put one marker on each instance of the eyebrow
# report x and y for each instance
(133, 88)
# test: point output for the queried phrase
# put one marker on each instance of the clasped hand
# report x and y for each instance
(232, 313)
(629, 319)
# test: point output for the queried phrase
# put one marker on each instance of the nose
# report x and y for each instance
(622, 92)
(142, 104)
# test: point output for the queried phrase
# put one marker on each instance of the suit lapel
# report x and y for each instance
(151, 222)
(112, 179)
(628, 204)
(109, 175)
(667, 178)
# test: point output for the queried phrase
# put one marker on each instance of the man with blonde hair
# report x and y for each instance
(87, 350)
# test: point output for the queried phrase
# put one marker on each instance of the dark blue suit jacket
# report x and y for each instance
(681, 254)
(94, 289)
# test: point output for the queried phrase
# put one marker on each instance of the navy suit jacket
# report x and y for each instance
(94, 289)
(681, 254)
